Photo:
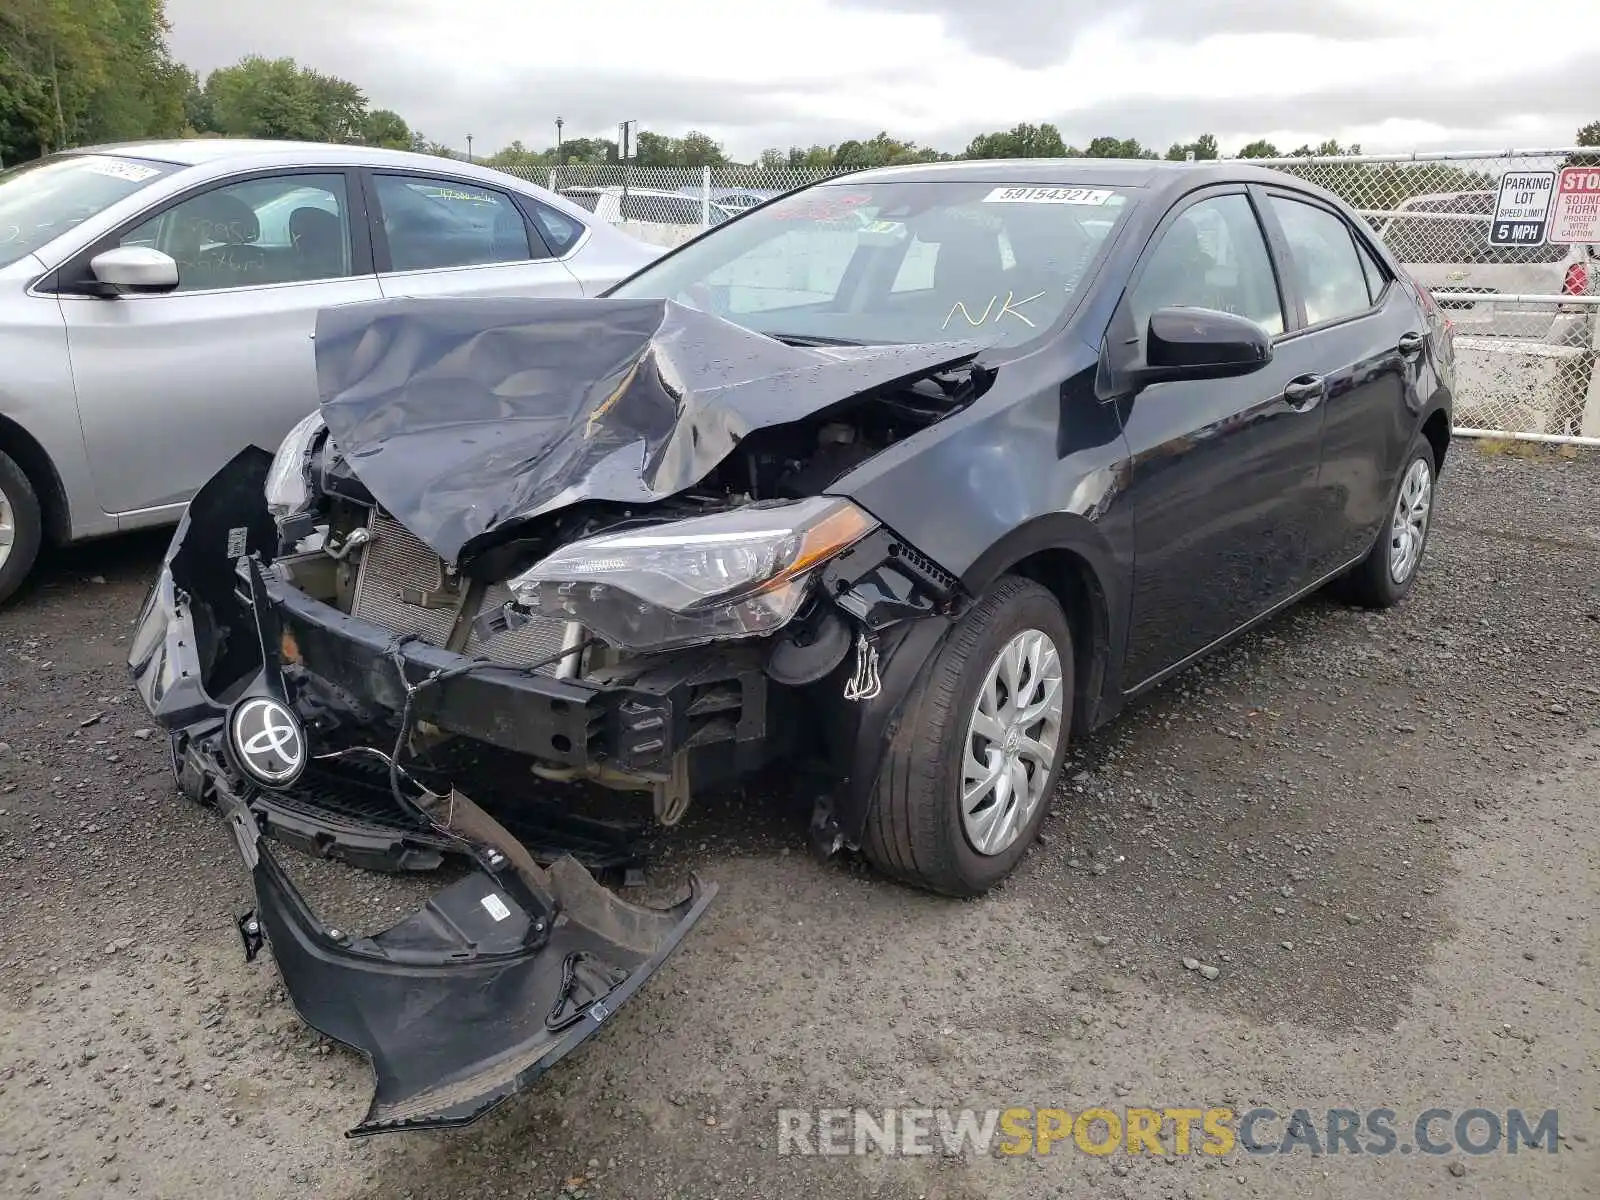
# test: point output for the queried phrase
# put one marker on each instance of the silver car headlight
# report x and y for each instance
(288, 490)
(735, 574)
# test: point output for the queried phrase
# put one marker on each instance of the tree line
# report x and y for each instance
(77, 72)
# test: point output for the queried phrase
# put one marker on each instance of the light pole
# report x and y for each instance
(559, 124)
(469, 147)
(625, 151)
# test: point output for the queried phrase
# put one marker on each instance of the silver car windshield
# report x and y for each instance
(896, 262)
(41, 200)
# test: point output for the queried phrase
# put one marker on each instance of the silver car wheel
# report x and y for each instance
(1409, 529)
(1011, 742)
(8, 527)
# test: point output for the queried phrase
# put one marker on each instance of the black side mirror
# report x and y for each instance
(1202, 343)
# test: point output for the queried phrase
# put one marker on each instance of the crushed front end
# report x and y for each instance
(501, 974)
(631, 577)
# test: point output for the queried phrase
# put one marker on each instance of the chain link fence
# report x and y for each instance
(1526, 317)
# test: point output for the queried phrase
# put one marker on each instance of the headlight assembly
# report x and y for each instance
(731, 575)
(288, 490)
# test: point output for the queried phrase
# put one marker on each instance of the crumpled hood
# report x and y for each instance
(463, 415)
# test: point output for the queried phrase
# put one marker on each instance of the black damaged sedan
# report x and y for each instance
(904, 479)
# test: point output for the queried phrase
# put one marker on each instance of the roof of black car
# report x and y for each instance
(1092, 172)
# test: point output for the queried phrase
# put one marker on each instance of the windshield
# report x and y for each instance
(41, 200)
(895, 262)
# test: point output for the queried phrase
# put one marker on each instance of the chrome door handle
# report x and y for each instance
(1304, 392)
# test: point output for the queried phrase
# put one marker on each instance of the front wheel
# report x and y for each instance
(21, 527)
(967, 780)
(1385, 576)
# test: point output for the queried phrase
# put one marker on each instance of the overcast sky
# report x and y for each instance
(1390, 74)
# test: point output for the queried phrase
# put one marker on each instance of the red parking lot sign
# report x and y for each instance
(1576, 214)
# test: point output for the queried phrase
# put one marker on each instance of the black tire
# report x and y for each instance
(914, 828)
(27, 527)
(1371, 583)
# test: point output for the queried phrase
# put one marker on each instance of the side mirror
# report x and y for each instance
(1202, 343)
(135, 269)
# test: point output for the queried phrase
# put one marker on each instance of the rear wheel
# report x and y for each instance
(21, 527)
(968, 779)
(1386, 575)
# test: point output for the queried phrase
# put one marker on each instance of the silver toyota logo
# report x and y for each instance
(268, 741)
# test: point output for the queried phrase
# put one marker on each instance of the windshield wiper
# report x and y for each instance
(813, 339)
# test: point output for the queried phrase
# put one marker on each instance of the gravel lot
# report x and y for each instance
(1379, 829)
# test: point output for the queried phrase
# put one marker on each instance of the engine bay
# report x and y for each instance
(778, 463)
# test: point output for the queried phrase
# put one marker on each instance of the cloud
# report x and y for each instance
(1492, 111)
(803, 71)
(1040, 33)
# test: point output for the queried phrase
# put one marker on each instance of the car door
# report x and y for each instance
(1224, 471)
(1365, 338)
(171, 386)
(437, 236)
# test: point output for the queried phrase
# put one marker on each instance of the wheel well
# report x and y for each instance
(1075, 586)
(1437, 430)
(18, 444)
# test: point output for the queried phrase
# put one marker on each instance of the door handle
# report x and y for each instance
(1411, 345)
(1304, 392)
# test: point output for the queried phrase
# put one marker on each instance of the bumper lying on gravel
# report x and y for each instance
(472, 997)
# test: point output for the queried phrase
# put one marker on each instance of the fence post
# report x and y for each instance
(705, 197)
(552, 179)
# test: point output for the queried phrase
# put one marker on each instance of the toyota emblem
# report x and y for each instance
(268, 741)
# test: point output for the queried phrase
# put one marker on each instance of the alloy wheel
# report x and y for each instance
(8, 527)
(1409, 529)
(1011, 742)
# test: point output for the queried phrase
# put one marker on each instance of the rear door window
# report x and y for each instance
(438, 223)
(1323, 256)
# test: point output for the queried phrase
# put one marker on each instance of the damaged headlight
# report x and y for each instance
(288, 489)
(731, 575)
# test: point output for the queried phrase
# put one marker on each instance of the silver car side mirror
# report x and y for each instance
(135, 269)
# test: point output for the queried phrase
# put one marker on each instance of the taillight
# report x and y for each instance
(1577, 280)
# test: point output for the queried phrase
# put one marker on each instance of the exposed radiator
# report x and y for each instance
(398, 571)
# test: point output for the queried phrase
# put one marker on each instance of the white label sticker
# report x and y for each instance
(132, 172)
(495, 907)
(238, 541)
(1048, 195)
(1522, 209)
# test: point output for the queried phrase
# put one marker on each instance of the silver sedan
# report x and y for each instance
(157, 301)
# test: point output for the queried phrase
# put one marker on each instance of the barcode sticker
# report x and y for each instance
(1048, 195)
(495, 907)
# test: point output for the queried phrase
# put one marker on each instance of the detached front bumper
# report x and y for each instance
(470, 999)
(501, 974)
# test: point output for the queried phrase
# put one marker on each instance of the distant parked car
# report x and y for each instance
(729, 197)
(649, 205)
(157, 302)
(1446, 248)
